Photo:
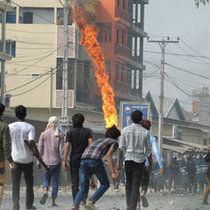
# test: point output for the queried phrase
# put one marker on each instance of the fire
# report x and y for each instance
(89, 41)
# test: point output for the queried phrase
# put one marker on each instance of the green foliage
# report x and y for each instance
(197, 2)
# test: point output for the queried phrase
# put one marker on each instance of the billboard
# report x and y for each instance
(127, 107)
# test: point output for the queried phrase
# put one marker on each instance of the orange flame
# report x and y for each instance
(89, 41)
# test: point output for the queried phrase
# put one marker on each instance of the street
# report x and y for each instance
(113, 199)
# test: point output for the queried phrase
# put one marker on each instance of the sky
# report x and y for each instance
(177, 18)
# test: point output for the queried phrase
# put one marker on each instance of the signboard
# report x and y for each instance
(126, 108)
(58, 99)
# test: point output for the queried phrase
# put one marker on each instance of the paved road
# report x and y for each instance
(115, 201)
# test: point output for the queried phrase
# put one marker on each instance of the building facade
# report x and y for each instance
(34, 76)
(201, 108)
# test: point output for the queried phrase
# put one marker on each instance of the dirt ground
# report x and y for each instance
(112, 200)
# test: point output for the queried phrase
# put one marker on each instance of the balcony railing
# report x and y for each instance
(121, 50)
(123, 14)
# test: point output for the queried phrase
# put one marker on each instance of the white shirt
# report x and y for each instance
(134, 138)
(19, 132)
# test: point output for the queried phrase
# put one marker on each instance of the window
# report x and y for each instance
(133, 46)
(122, 72)
(86, 76)
(116, 71)
(105, 31)
(139, 14)
(123, 37)
(132, 78)
(123, 6)
(108, 31)
(27, 17)
(13, 49)
(60, 17)
(108, 68)
(10, 48)
(36, 15)
(105, 37)
(100, 33)
(11, 17)
(117, 36)
(179, 133)
(205, 142)
(118, 3)
(137, 79)
(134, 13)
(138, 46)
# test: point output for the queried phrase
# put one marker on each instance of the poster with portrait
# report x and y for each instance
(126, 108)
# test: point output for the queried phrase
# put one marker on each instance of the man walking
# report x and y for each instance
(51, 148)
(91, 163)
(23, 158)
(5, 151)
(79, 138)
(135, 142)
(146, 174)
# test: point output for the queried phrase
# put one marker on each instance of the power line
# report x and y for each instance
(31, 88)
(23, 85)
(186, 71)
(178, 54)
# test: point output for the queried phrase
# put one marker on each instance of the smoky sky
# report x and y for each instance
(177, 18)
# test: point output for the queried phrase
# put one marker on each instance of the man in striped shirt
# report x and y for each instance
(135, 143)
(91, 163)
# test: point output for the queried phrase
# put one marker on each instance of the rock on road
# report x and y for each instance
(112, 200)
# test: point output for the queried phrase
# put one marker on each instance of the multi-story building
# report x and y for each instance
(201, 110)
(121, 34)
(34, 76)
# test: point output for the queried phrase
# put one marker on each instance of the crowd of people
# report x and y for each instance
(135, 145)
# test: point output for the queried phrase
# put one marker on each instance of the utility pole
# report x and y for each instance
(162, 44)
(3, 38)
(64, 111)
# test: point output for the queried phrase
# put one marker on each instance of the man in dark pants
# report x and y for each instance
(135, 140)
(23, 157)
(174, 173)
(91, 163)
(146, 174)
(79, 138)
(192, 174)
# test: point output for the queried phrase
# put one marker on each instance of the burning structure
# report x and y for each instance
(81, 17)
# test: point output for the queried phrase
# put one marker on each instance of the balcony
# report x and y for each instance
(121, 50)
(123, 15)
(138, 30)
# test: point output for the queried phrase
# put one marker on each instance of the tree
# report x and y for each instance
(197, 2)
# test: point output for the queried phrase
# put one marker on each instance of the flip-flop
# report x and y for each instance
(43, 199)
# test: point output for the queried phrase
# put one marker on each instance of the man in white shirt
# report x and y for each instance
(23, 157)
(134, 140)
